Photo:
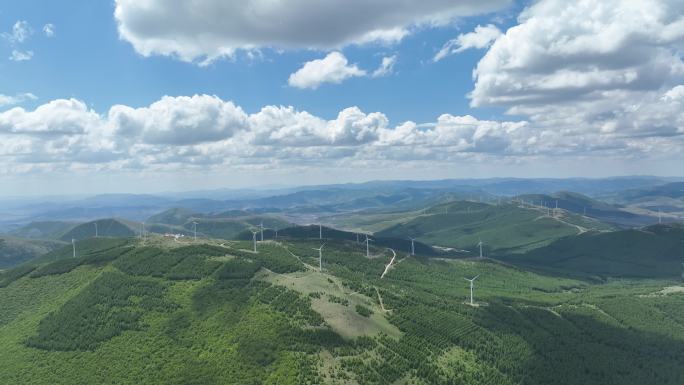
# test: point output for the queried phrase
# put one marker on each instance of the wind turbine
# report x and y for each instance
(320, 257)
(368, 240)
(73, 245)
(261, 228)
(471, 288)
(194, 226)
(254, 233)
(320, 231)
(95, 228)
(413, 248)
(480, 245)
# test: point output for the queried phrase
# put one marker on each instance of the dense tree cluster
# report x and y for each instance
(110, 305)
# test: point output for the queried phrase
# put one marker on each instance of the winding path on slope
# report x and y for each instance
(389, 265)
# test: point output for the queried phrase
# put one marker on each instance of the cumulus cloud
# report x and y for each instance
(179, 120)
(21, 31)
(21, 55)
(204, 30)
(334, 68)
(481, 37)
(6, 100)
(564, 50)
(49, 30)
(203, 130)
(595, 76)
(58, 117)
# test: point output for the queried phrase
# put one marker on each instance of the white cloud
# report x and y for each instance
(21, 55)
(595, 76)
(21, 31)
(567, 50)
(204, 30)
(334, 68)
(49, 30)
(179, 120)
(6, 100)
(482, 37)
(58, 117)
(179, 133)
(386, 67)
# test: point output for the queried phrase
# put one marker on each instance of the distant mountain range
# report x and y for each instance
(310, 200)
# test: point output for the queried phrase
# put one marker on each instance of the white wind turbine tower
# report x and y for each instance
(95, 228)
(471, 288)
(261, 229)
(413, 248)
(368, 240)
(479, 244)
(320, 257)
(254, 233)
(320, 231)
(73, 245)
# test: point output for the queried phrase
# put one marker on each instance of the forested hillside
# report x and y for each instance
(166, 312)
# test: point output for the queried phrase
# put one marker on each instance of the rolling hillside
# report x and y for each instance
(225, 225)
(503, 228)
(43, 230)
(584, 205)
(167, 312)
(105, 228)
(14, 251)
(174, 216)
(654, 251)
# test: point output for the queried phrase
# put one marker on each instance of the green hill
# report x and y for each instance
(174, 216)
(43, 230)
(502, 228)
(105, 228)
(167, 312)
(14, 251)
(655, 251)
(327, 234)
(225, 225)
(588, 207)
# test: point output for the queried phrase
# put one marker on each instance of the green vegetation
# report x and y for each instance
(105, 228)
(43, 230)
(14, 251)
(654, 251)
(174, 216)
(363, 311)
(504, 228)
(110, 305)
(166, 313)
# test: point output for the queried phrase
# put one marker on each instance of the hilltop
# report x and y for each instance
(504, 228)
(109, 227)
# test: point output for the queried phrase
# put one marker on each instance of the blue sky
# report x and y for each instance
(87, 60)
(129, 96)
